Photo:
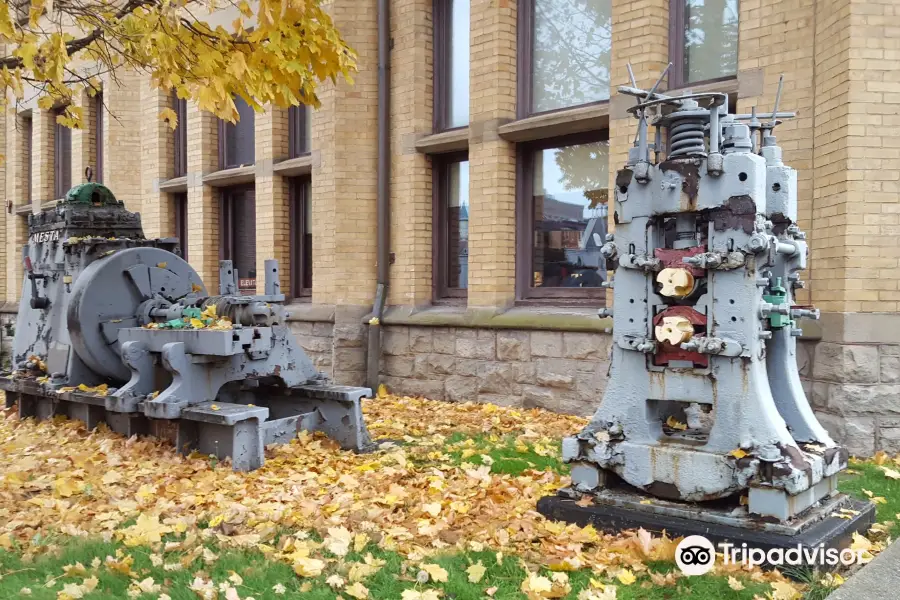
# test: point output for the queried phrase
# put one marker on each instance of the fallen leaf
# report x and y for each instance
(476, 572)
(890, 473)
(357, 590)
(279, 588)
(308, 567)
(626, 577)
(735, 584)
(436, 572)
(738, 453)
(675, 423)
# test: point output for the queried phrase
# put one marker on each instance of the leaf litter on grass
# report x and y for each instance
(411, 497)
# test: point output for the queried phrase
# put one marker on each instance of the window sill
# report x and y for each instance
(533, 318)
(229, 177)
(22, 209)
(302, 309)
(294, 167)
(558, 123)
(453, 140)
(174, 185)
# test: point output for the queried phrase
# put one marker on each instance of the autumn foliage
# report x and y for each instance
(272, 51)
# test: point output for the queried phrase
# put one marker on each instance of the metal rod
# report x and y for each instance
(658, 81)
(631, 75)
(777, 99)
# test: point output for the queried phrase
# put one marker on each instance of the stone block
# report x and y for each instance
(889, 439)
(578, 405)
(397, 366)
(420, 340)
(475, 344)
(890, 369)
(443, 340)
(879, 399)
(845, 363)
(395, 341)
(326, 329)
(590, 386)
(513, 345)
(539, 397)
(315, 344)
(585, 345)
(496, 377)
(819, 394)
(856, 434)
(523, 372)
(461, 389)
(558, 373)
(424, 388)
(467, 367)
(349, 335)
(350, 359)
(509, 400)
(301, 327)
(547, 344)
(441, 364)
(889, 350)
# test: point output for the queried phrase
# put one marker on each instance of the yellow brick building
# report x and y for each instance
(505, 134)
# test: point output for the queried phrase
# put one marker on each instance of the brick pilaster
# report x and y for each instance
(411, 115)
(43, 124)
(17, 171)
(273, 224)
(84, 140)
(203, 200)
(492, 160)
(157, 163)
(122, 138)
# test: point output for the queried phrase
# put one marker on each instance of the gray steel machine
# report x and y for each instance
(117, 328)
(704, 411)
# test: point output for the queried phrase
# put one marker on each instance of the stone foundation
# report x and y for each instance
(559, 371)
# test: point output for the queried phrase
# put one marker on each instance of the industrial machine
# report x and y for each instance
(113, 327)
(704, 422)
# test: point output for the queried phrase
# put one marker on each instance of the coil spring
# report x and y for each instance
(686, 136)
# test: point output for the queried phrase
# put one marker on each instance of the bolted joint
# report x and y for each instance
(605, 313)
(608, 284)
(758, 243)
(715, 164)
(609, 250)
(796, 332)
(806, 313)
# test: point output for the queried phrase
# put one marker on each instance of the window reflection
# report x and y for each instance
(459, 64)
(570, 212)
(710, 39)
(570, 53)
(458, 223)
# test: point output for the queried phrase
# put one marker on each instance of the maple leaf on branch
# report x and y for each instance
(272, 52)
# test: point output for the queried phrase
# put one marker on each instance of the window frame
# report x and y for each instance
(28, 126)
(179, 156)
(442, 20)
(227, 198)
(98, 136)
(440, 230)
(223, 144)
(677, 55)
(180, 200)
(526, 293)
(298, 144)
(62, 158)
(300, 194)
(525, 67)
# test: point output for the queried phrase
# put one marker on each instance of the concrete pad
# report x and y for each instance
(878, 579)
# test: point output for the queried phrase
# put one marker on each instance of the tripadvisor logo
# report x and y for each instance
(696, 555)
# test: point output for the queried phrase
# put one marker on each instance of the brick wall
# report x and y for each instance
(157, 163)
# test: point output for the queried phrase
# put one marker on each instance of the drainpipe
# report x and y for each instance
(383, 205)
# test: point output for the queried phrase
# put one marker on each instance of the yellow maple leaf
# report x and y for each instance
(735, 584)
(738, 453)
(357, 590)
(308, 567)
(675, 423)
(626, 577)
(880, 457)
(436, 572)
(783, 590)
(476, 572)
(147, 530)
(890, 473)
(67, 487)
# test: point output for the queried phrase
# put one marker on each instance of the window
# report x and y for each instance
(238, 235)
(451, 226)
(237, 140)
(181, 229)
(179, 105)
(301, 237)
(62, 159)
(451, 59)
(703, 40)
(299, 131)
(98, 136)
(564, 54)
(563, 211)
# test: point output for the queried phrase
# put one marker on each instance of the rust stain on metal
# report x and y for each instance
(689, 169)
(738, 212)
